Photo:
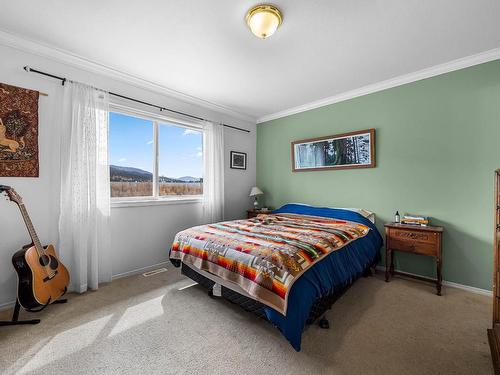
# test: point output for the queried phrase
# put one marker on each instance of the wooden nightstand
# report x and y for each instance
(416, 240)
(253, 213)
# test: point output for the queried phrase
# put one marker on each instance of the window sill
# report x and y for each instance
(120, 203)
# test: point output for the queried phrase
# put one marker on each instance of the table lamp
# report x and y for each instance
(255, 192)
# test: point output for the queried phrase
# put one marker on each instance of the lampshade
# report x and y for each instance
(255, 191)
(264, 20)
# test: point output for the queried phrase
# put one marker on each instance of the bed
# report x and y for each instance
(287, 267)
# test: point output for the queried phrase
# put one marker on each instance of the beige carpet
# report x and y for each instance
(143, 325)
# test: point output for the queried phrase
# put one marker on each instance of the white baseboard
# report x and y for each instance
(451, 284)
(7, 305)
(10, 304)
(471, 289)
(139, 270)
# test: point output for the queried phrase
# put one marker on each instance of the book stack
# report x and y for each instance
(414, 220)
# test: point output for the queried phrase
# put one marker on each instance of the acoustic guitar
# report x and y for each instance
(42, 278)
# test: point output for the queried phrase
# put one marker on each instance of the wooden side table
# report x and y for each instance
(253, 213)
(416, 240)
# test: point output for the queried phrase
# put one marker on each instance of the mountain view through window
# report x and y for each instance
(131, 158)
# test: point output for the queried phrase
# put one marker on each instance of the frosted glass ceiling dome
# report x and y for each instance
(264, 20)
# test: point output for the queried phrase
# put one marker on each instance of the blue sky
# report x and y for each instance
(131, 145)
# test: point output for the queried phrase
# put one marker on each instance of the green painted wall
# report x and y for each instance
(437, 146)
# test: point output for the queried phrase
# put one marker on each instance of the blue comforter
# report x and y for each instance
(335, 272)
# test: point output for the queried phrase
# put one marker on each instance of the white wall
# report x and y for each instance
(141, 236)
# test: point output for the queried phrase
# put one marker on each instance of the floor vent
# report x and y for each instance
(154, 272)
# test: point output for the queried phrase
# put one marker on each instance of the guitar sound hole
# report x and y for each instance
(44, 260)
(53, 263)
(49, 260)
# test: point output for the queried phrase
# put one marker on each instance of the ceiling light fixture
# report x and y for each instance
(263, 20)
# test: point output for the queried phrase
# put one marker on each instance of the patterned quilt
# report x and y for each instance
(264, 255)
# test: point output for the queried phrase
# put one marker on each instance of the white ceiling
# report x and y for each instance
(204, 49)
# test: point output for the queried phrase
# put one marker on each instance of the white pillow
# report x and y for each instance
(365, 213)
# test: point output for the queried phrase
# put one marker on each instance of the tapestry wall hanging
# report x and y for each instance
(18, 132)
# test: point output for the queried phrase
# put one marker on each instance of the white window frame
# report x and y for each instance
(157, 120)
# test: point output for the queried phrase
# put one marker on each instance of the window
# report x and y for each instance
(180, 160)
(130, 156)
(153, 158)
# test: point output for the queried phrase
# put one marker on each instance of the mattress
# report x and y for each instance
(267, 254)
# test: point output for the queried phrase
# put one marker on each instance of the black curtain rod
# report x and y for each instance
(63, 81)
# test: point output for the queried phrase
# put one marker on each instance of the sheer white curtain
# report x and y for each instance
(213, 178)
(85, 196)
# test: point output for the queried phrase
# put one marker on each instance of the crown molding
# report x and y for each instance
(436, 70)
(65, 57)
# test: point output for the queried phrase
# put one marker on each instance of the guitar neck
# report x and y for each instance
(31, 228)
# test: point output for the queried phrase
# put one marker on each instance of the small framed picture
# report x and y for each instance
(238, 160)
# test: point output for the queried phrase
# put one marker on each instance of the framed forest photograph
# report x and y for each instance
(341, 151)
